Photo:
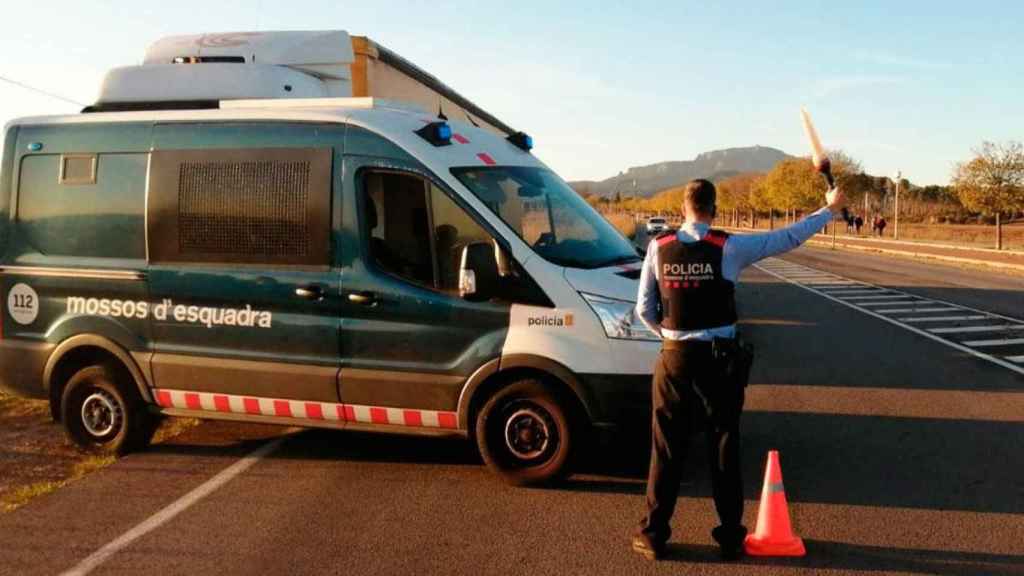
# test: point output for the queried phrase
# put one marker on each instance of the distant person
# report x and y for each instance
(881, 226)
(687, 297)
(857, 223)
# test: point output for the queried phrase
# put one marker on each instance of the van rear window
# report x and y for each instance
(259, 206)
(100, 216)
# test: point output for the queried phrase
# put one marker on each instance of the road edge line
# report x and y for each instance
(170, 511)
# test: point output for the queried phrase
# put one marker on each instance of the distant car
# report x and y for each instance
(656, 225)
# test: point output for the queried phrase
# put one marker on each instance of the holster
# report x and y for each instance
(733, 358)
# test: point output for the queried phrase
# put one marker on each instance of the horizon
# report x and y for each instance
(896, 92)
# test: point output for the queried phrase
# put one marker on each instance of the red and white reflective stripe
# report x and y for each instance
(305, 410)
(486, 158)
(460, 138)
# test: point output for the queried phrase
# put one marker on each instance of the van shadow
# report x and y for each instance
(824, 555)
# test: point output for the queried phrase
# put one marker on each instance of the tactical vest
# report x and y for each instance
(694, 294)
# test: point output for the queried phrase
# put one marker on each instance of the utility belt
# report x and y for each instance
(732, 357)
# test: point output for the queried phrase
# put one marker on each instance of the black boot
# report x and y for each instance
(730, 540)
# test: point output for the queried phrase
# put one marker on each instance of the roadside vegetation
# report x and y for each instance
(35, 457)
(985, 194)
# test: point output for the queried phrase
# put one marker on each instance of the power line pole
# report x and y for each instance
(896, 217)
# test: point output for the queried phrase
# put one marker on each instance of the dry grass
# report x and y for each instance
(623, 222)
(37, 459)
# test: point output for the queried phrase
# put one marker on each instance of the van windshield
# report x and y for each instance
(548, 215)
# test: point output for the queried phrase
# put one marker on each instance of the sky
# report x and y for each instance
(602, 86)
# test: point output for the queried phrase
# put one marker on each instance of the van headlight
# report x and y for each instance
(619, 318)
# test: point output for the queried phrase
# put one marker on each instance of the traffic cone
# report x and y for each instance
(774, 535)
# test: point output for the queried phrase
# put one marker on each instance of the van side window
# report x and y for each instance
(84, 205)
(241, 206)
(415, 231)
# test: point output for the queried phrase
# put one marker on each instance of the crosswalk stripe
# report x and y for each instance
(886, 303)
(940, 318)
(1005, 342)
(916, 310)
(969, 329)
(879, 297)
(1019, 359)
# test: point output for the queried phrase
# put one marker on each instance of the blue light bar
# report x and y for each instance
(521, 140)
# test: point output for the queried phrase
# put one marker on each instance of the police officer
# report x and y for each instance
(687, 295)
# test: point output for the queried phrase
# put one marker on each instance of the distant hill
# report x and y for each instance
(715, 165)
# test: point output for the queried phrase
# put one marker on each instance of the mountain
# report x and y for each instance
(715, 165)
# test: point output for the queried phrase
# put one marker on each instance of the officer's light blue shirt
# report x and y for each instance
(740, 251)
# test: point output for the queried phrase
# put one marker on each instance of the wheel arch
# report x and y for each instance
(82, 350)
(500, 372)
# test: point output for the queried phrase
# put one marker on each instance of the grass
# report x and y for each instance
(23, 494)
(26, 429)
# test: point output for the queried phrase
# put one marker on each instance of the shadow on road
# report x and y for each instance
(824, 555)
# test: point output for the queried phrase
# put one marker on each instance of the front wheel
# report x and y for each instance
(103, 415)
(526, 435)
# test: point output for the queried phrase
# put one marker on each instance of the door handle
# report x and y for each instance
(363, 298)
(311, 292)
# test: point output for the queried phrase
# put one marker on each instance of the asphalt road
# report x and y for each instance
(901, 454)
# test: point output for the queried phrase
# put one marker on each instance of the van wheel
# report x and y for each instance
(103, 415)
(525, 434)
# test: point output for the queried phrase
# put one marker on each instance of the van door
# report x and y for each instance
(242, 280)
(408, 339)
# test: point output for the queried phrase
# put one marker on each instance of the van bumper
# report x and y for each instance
(21, 367)
(618, 401)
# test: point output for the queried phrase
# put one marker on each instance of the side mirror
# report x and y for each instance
(479, 272)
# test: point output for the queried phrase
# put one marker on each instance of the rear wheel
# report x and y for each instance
(526, 434)
(104, 415)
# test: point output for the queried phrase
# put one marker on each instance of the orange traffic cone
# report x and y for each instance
(774, 535)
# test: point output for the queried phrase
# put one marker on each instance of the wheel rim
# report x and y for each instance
(528, 432)
(101, 414)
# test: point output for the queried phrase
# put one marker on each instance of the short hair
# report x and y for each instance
(700, 195)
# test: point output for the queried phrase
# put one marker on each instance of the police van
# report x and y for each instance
(236, 231)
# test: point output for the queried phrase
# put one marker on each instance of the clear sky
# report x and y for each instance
(607, 85)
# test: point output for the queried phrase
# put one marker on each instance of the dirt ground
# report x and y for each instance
(35, 456)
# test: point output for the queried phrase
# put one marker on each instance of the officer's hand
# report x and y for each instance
(835, 200)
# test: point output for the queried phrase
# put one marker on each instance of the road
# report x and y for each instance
(901, 452)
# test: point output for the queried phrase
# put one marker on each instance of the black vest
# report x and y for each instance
(694, 294)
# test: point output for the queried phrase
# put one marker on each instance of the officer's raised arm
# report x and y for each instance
(745, 249)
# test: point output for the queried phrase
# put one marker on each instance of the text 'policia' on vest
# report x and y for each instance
(694, 294)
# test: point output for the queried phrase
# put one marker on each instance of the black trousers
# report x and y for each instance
(690, 393)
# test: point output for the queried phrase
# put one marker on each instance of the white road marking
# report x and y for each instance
(940, 318)
(963, 347)
(172, 510)
(1005, 342)
(886, 303)
(1015, 358)
(854, 292)
(878, 297)
(968, 329)
(917, 310)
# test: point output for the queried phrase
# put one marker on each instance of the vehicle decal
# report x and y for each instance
(460, 138)
(23, 304)
(486, 158)
(168, 311)
(305, 410)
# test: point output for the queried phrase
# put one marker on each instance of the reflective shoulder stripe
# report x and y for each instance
(666, 238)
(716, 237)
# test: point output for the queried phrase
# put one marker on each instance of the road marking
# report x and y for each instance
(766, 267)
(917, 310)
(886, 303)
(172, 510)
(940, 318)
(967, 329)
(854, 292)
(879, 297)
(1015, 358)
(1005, 342)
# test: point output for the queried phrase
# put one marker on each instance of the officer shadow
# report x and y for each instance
(825, 555)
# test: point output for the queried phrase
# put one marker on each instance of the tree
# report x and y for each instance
(992, 182)
(737, 192)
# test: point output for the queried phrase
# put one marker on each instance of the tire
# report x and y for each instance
(103, 414)
(543, 449)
